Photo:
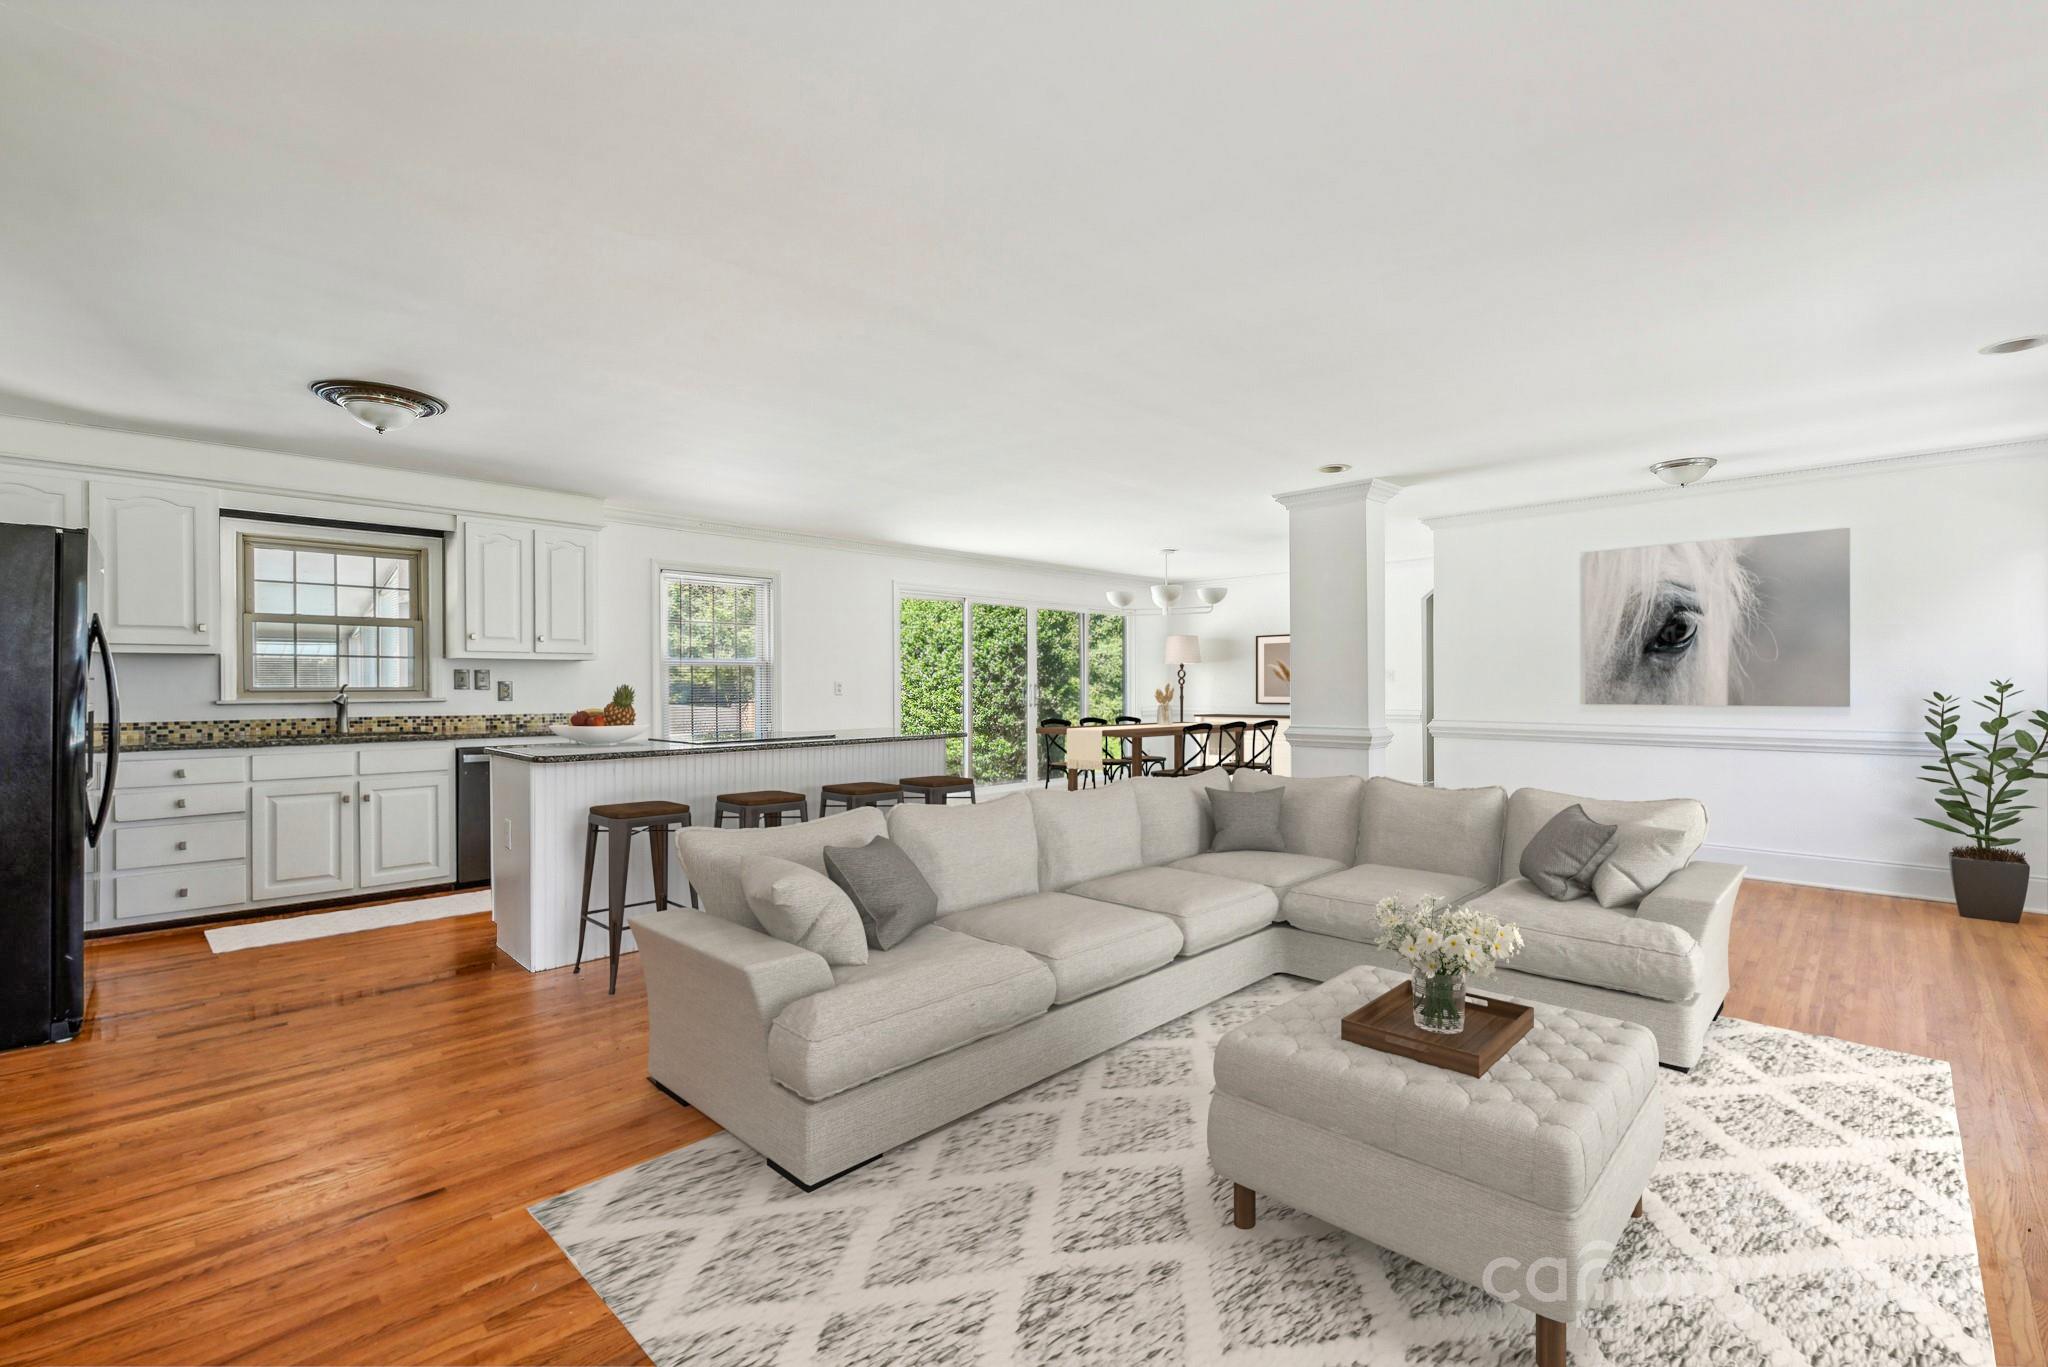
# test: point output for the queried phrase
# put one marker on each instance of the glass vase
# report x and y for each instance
(1439, 1002)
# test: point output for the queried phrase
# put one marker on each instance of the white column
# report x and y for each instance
(1337, 596)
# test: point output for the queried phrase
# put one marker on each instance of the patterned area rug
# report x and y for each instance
(1809, 1208)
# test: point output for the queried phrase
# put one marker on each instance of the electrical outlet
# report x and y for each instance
(838, 688)
(462, 678)
(504, 690)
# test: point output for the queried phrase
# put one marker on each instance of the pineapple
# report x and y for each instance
(619, 711)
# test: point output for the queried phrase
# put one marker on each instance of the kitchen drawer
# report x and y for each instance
(188, 842)
(179, 890)
(315, 761)
(153, 804)
(407, 759)
(172, 773)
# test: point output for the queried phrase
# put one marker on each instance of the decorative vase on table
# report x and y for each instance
(1439, 1002)
(1443, 944)
(1977, 788)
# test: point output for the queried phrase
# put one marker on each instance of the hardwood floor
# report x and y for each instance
(323, 1152)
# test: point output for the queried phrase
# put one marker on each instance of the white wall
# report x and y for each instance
(1949, 586)
(836, 602)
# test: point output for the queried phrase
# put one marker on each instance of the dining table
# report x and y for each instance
(1137, 733)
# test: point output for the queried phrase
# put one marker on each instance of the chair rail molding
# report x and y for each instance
(1809, 740)
(1339, 737)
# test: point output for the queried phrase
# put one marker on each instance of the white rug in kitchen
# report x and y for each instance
(347, 921)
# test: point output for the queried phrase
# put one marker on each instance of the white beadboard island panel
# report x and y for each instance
(540, 811)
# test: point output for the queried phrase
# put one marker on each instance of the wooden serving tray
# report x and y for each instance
(1492, 1027)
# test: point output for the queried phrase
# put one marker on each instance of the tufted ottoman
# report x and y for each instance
(1518, 1182)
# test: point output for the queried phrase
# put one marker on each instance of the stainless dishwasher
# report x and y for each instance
(472, 816)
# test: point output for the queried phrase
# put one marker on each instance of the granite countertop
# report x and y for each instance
(355, 738)
(654, 749)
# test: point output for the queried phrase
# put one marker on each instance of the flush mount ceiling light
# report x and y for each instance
(1690, 470)
(1166, 593)
(379, 407)
(1333, 469)
(2006, 348)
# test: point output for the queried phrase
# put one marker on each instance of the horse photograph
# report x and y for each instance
(1759, 621)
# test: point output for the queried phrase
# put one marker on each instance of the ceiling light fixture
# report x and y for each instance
(1166, 593)
(1333, 469)
(1680, 473)
(379, 407)
(2006, 348)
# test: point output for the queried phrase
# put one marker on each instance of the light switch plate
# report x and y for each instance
(462, 678)
(480, 678)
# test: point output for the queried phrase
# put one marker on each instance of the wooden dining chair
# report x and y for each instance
(1052, 753)
(1230, 746)
(1263, 734)
(1154, 764)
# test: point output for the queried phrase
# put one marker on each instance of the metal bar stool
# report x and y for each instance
(766, 807)
(937, 789)
(621, 821)
(852, 795)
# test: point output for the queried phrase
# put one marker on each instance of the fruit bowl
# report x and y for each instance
(598, 735)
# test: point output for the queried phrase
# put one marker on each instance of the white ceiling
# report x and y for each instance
(923, 271)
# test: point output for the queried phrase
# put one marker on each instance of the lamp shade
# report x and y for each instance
(1120, 598)
(1183, 650)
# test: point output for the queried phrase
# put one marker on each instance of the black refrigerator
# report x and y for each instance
(47, 761)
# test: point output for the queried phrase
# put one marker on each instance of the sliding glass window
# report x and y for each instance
(995, 669)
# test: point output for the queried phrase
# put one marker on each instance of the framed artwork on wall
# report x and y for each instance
(1273, 658)
(1753, 621)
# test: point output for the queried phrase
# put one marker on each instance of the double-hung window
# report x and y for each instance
(718, 642)
(320, 614)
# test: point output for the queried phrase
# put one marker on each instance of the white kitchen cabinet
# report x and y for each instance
(161, 549)
(522, 589)
(302, 838)
(497, 589)
(402, 822)
(564, 591)
(36, 499)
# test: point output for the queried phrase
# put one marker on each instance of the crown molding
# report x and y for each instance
(1801, 740)
(1351, 491)
(642, 515)
(1877, 465)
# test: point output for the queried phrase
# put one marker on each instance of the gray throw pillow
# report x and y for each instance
(1247, 820)
(1642, 858)
(1560, 858)
(802, 907)
(892, 897)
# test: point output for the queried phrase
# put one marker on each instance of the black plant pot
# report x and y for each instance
(1989, 889)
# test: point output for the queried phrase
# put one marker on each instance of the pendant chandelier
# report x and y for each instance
(1166, 594)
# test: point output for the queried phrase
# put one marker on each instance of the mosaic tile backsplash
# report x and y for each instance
(262, 731)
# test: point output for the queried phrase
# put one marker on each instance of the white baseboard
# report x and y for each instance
(1929, 882)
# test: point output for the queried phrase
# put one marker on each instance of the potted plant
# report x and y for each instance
(1977, 789)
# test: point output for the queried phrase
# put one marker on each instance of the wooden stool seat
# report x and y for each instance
(761, 807)
(938, 789)
(859, 793)
(643, 812)
(620, 822)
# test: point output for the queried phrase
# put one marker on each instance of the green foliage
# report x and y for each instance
(1000, 679)
(932, 637)
(1976, 783)
(1106, 665)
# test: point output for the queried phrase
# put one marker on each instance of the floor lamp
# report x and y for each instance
(1182, 651)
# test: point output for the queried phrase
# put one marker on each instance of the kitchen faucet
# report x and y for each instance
(340, 701)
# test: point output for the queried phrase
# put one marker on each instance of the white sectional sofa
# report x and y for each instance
(1070, 922)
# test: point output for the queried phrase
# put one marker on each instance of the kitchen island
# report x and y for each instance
(541, 796)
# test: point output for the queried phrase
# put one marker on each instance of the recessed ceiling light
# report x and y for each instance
(2016, 344)
(1332, 469)
(1685, 471)
(379, 407)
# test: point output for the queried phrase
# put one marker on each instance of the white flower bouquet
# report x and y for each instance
(1444, 944)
